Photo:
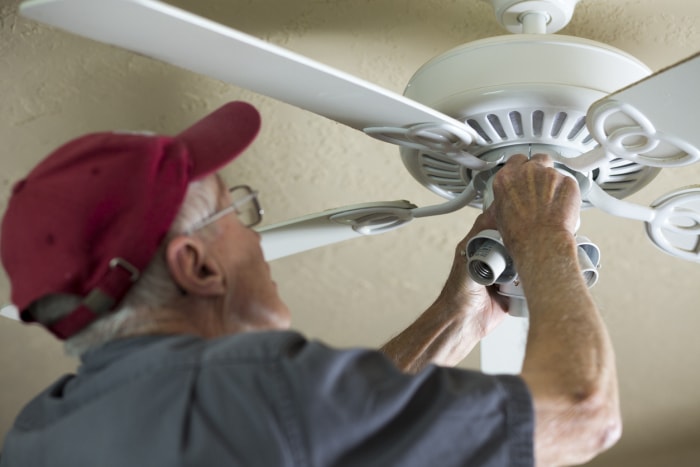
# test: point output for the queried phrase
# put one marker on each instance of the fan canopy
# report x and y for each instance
(519, 91)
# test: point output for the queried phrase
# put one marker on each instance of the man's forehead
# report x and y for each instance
(226, 180)
(221, 183)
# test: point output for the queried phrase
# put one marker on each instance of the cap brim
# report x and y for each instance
(220, 137)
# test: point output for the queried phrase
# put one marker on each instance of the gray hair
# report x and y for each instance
(154, 289)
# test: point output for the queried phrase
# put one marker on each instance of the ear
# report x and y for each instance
(192, 268)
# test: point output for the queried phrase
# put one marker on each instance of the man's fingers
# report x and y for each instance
(517, 159)
(489, 217)
(543, 159)
(486, 220)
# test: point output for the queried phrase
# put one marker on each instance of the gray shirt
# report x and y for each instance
(268, 399)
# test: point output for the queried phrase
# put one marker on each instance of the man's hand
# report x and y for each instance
(483, 306)
(460, 317)
(533, 199)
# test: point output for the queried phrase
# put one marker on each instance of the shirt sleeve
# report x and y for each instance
(355, 408)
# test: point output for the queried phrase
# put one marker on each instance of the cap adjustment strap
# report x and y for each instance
(100, 300)
(130, 268)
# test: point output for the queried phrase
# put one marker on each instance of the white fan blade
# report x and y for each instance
(325, 228)
(503, 351)
(9, 311)
(181, 38)
(652, 122)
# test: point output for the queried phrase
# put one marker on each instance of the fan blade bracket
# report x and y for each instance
(376, 219)
(651, 122)
(597, 197)
(441, 138)
(586, 162)
(332, 226)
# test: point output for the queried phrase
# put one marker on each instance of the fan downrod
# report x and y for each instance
(533, 16)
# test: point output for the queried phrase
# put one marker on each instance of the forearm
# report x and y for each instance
(441, 336)
(569, 362)
(448, 330)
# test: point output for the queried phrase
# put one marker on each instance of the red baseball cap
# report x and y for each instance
(90, 217)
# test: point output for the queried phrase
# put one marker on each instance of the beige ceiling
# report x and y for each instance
(55, 86)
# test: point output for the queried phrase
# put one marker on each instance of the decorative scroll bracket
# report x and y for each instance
(437, 138)
(672, 221)
(625, 132)
(675, 227)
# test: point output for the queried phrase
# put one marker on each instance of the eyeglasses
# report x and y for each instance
(244, 203)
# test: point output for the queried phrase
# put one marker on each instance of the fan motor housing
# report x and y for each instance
(524, 89)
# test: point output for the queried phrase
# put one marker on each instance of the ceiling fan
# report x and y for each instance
(599, 112)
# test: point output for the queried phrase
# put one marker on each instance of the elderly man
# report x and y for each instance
(131, 248)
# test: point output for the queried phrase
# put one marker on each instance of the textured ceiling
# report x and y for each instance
(56, 86)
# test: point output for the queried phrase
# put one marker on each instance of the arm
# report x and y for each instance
(569, 362)
(461, 316)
